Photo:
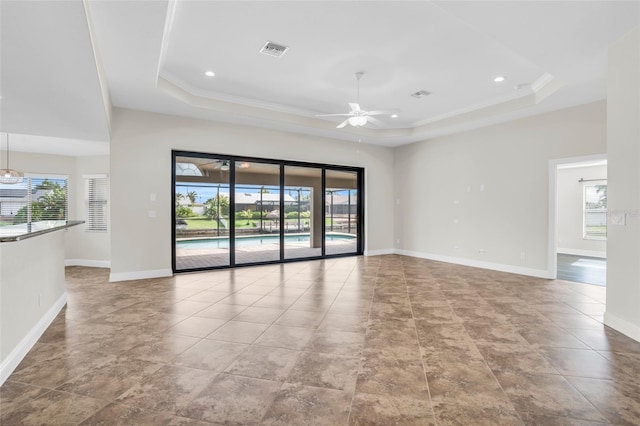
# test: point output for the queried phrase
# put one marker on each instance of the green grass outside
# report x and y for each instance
(597, 231)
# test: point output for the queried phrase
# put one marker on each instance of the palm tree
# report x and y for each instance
(191, 195)
(179, 197)
(217, 207)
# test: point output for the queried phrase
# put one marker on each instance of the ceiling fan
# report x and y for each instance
(358, 117)
(224, 165)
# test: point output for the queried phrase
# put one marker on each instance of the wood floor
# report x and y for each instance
(380, 340)
(582, 269)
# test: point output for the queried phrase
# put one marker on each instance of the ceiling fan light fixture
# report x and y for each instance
(358, 121)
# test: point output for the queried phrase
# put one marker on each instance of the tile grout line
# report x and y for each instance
(487, 364)
(355, 387)
(415, 330)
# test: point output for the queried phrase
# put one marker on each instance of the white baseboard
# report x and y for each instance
(578, 252)
(140, 275)
(88, 263)
(623, 326)
(19, 352)
(378, 252)
(538, 273)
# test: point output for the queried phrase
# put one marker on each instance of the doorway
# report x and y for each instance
(581, 220)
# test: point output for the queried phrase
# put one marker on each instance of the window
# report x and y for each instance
(595, 211)
(37, 198)
(97, 190)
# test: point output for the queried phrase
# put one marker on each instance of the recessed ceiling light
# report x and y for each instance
(210, 73)
(420, 94)
(394, 115)
(499, 78)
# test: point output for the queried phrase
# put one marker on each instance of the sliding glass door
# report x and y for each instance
(201, 211)
(342, 218)
(257, 212)
(303, 212)
(233, 211)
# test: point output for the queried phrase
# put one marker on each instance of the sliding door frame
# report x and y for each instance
(233, 159)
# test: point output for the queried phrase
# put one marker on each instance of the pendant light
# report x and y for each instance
(8, 175)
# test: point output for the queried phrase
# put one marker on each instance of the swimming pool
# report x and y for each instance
(254, 240)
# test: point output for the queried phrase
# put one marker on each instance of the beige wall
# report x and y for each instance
(623, 154)
(32, 292)
(570, 198)
(481, 197)
(141, 166)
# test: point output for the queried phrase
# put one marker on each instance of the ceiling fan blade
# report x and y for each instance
(344, 123)
(354, 106)
(375, 121)
(380, 112)
(332, 115)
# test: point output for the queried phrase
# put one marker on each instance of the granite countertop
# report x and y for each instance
(23, 231)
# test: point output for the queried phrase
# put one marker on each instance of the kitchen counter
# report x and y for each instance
(23, 231)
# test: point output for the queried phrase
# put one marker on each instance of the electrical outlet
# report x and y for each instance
(39, 300)
(480, 251)
(523, 256)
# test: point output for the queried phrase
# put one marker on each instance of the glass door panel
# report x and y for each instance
(257, 212)
(303, 207)
(341, 212)
(201, 212)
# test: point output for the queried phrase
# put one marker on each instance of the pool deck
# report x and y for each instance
(207, 258)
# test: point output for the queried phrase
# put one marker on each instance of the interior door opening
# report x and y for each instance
(581, 221)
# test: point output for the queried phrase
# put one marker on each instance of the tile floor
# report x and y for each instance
(381, 340)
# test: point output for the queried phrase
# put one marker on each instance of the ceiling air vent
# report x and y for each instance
(420, 94)
(273, 49)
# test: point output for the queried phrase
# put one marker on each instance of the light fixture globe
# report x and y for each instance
(10, 176)
(358, 120)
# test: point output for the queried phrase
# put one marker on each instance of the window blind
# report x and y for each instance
(97, 195)
(37, 198)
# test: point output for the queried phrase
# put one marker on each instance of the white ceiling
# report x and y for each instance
(153, 55)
